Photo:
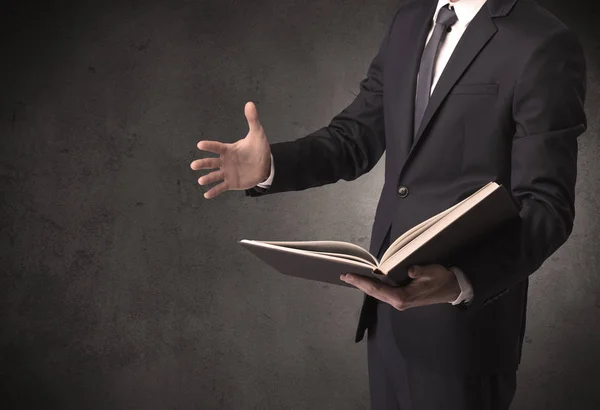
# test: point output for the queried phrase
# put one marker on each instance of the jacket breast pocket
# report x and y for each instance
(474, 89)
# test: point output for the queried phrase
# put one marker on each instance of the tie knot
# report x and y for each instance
(446, 17)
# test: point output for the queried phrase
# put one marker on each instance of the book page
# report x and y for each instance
(332, 247)
(341, 255)
(346, 259)
(412, 233)
(404, 239)
(449, 217)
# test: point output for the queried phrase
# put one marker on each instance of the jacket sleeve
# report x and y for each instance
(548, 110)
(350, 146)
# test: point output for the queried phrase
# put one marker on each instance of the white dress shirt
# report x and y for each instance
(465, 11)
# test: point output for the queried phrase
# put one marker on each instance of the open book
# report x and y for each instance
(431, 241)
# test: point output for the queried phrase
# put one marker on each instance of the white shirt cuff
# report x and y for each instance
(267, 183)
(466, 290)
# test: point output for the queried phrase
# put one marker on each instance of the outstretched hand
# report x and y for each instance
(242, 164)
(431, 284)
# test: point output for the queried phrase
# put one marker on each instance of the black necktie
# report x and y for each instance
(445, 19)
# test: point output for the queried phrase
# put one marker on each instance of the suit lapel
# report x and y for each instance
(412, 34)
(477, 34)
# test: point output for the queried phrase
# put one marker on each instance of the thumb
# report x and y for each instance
(252, 117)
(415, 271)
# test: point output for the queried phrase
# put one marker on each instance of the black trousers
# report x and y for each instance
(394, 385)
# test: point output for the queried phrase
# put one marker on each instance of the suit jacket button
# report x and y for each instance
(403, 191)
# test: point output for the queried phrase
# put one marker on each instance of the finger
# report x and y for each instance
(212, 177)
(424, 272)
(420, 292)
(415, 271)
(252, 116)
(206, 163)
(216, 190)
(212, 146)
(371, 287)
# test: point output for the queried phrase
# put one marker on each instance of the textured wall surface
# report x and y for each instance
(121, 287)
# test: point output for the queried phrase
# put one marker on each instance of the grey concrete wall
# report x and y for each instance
(121, 287)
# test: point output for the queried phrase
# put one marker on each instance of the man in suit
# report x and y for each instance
(460, 93)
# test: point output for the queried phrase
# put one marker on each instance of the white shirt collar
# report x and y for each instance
(465, 9)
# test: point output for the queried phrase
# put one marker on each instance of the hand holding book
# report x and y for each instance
(430, 284)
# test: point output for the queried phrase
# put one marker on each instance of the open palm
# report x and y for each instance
(240, 165)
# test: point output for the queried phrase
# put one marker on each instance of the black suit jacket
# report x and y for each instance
(508, 107)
